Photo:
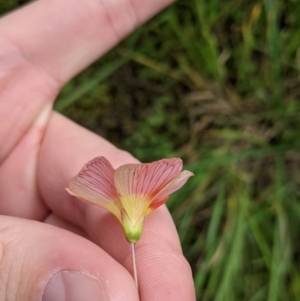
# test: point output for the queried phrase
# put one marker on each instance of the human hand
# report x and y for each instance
(43, 230)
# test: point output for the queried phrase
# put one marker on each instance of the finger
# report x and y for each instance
(53, 219)
(62, 37)
(42, 262)
(57, 165)
(159, 249)
(163, 272)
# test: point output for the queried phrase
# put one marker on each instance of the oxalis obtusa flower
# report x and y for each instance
(130, 192)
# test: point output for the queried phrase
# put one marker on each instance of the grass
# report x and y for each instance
(216, 83)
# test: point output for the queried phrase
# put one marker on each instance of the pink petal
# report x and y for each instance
(158, 203)
(95, 184)
(145, 180)
(177, 183)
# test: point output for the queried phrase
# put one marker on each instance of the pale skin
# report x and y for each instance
(42, 46)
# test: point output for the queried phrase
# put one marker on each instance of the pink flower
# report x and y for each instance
(131, 191)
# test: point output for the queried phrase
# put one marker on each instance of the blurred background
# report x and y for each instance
(217, 84)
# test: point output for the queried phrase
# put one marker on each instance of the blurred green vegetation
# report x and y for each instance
(216, 83)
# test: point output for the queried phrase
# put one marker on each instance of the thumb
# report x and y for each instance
(40, 262)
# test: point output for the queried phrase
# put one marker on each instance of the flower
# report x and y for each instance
(131, 191)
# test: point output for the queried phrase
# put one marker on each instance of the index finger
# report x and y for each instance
(63, 37)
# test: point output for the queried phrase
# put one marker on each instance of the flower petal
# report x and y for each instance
(177, 183)
(146, 180)
(155, 205)
(95, 184)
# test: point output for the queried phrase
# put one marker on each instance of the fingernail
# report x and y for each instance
(68, 285)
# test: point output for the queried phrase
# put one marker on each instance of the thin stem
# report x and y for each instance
(135, 276)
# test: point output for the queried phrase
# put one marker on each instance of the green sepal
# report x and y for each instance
(132, 228)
